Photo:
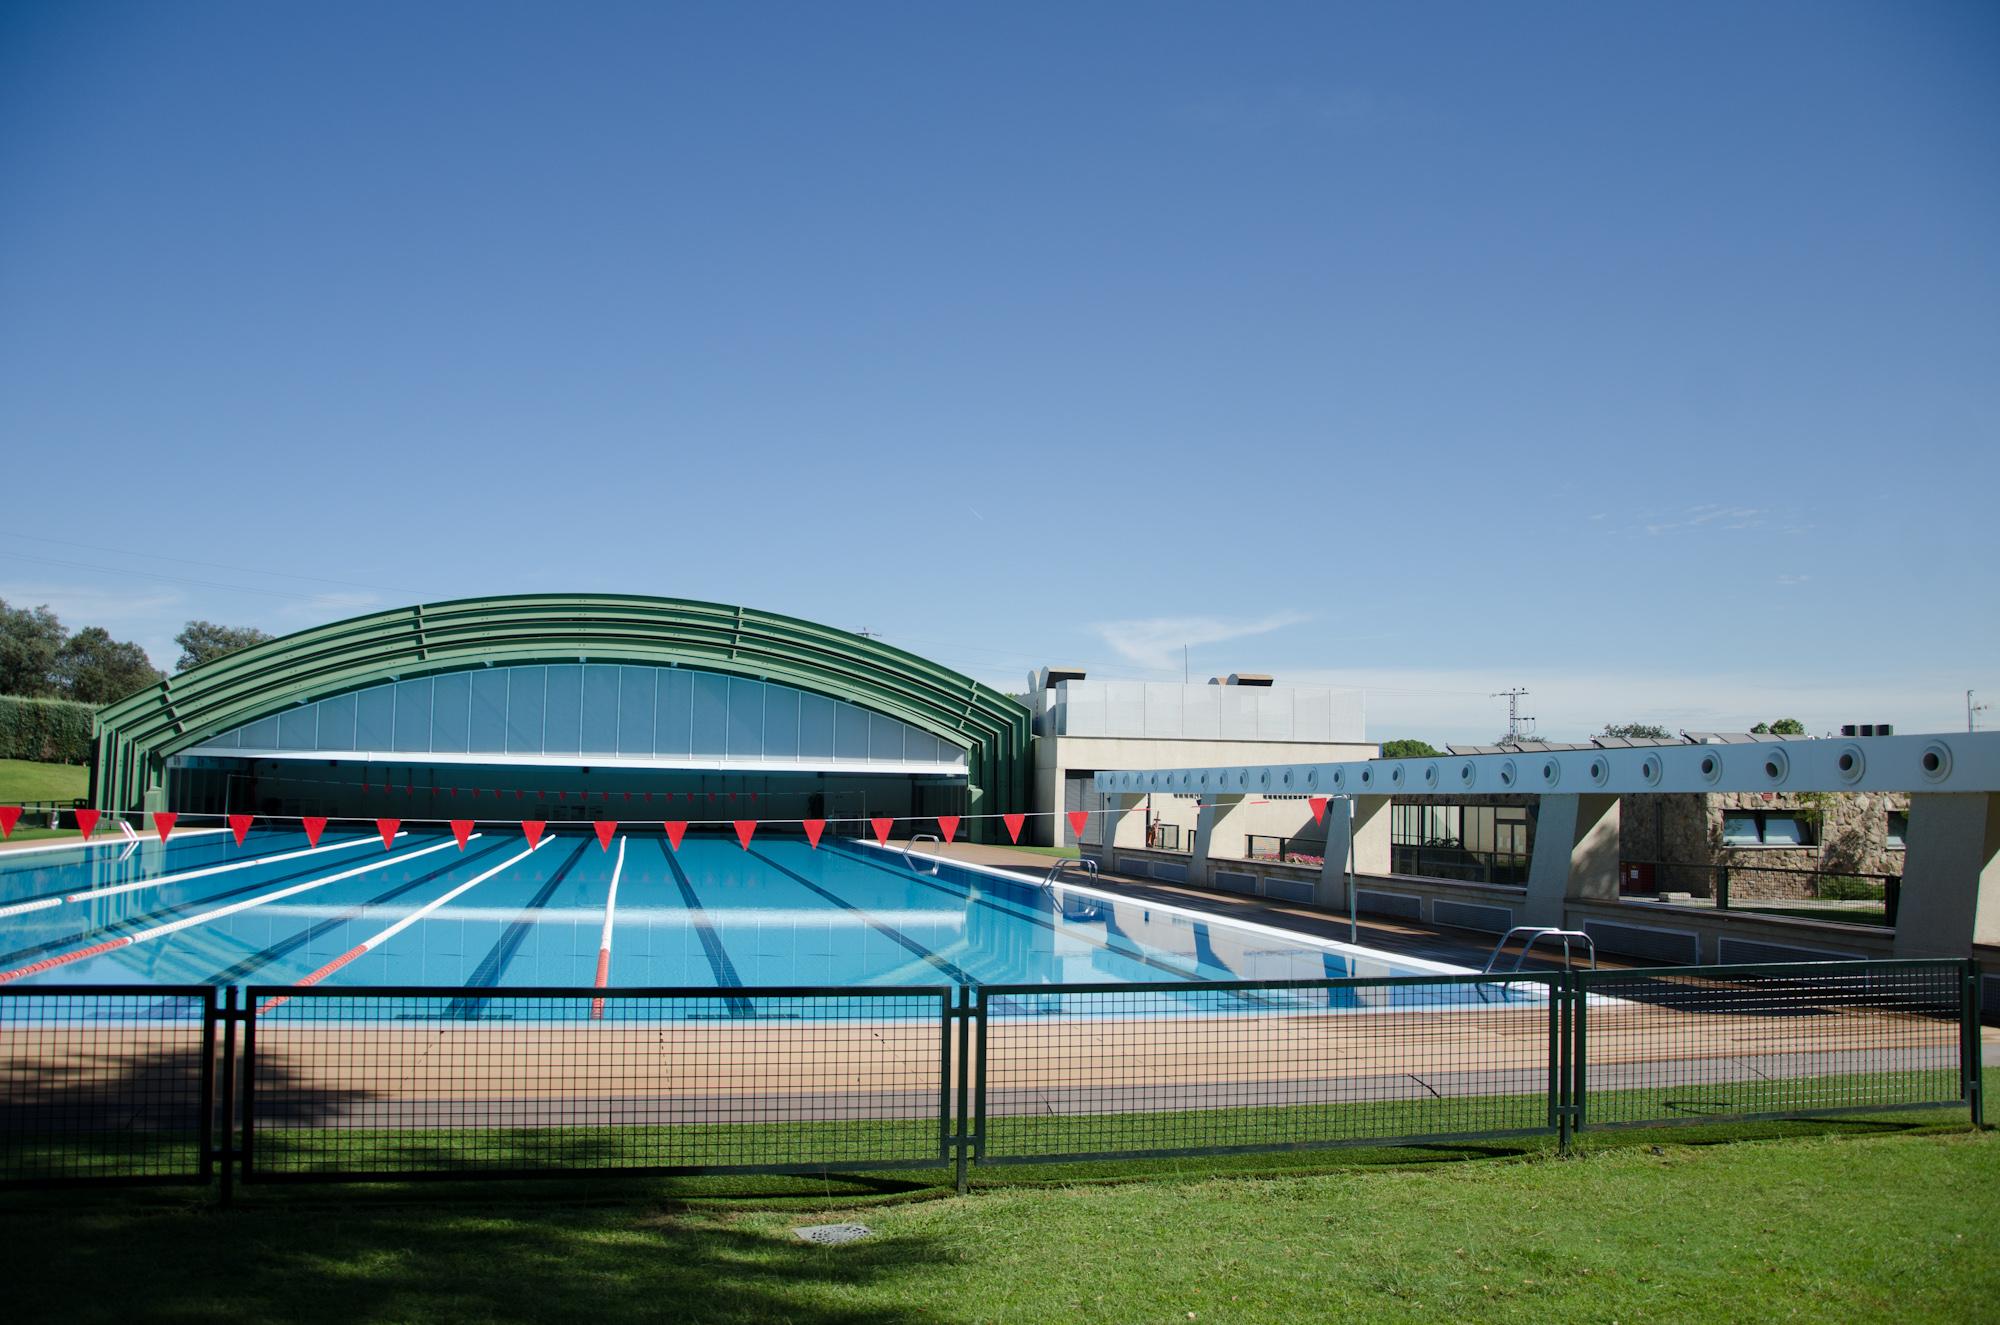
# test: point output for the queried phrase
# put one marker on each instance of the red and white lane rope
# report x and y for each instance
(368, 945)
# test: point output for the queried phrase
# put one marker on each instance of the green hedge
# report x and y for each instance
(48, 731)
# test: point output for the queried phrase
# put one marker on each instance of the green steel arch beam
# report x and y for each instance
(136, 736)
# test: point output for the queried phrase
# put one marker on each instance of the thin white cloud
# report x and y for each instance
(1707, 515)
(1156, 642)
(150, 617)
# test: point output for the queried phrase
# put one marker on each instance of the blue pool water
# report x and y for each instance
(202, 910)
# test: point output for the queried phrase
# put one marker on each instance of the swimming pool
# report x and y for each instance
(276, 910)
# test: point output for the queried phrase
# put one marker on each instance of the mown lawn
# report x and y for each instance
(1854, 1222)
(24, 780)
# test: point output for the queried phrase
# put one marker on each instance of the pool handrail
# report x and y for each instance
(910, 860)
(1084, 863)
(1536, 933)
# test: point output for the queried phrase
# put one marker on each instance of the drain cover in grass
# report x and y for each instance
(831, 1235)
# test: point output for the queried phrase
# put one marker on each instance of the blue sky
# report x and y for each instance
(1642, 355)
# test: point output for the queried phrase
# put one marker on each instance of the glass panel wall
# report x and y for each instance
(585, 710)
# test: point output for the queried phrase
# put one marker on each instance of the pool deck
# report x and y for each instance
(1454, 947)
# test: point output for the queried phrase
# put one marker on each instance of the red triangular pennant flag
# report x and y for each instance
(533, 828)
(164, 821)
(604, 795)
(1318, 804)
(882, 827)
(388, 828)
(9, 816)
(1014, 822)
(239, 824)
(744, 829)
(605, 829)
(461, 829)
(676, 830)
(948, 825)
(1077, 819)
(87, 821)
(313, 827)
(814, 827)
(364, 788)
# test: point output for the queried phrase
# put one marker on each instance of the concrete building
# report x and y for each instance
(1083, 726)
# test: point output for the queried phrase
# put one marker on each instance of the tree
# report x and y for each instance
(30, 639)
(1782, 727)
(205, 641)
(1636, 731)
(1409, 748)
(96, 669)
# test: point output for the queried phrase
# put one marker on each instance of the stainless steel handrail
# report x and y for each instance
(1083, 863)
(911, 845)
(1536, 933)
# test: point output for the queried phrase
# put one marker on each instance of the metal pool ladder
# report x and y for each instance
(1084, 863)
(1536, 933)
(910, 846)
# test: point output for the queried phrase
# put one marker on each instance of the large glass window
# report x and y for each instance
(562, 727)
(527, 709)
(594, 710)
(1767, 828)
(600, 709)
(636, 693)
(452, 700)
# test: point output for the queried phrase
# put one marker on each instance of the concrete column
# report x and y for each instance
(1576, 856)
(1215, 809)
(1370, 841)
(1118, 805)
(1951, 876)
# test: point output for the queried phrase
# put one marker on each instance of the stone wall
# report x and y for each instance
(1687, 829)
(1685, 832)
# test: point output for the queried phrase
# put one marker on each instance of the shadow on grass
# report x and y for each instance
(477, 1259)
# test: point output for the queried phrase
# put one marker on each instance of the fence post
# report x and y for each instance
(226, 1015)
(1972, 1052)
(962, 1010)
(1580, 1057)
(1558, 1063)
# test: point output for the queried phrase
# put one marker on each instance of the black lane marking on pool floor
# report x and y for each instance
(190, 868)
(1130, 950)
(285, 947)
(890, 931)
(147, 919)
(501, 955)
(704, 929)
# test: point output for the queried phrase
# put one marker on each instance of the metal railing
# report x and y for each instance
(268, 1084)
(1814, 892)
(1285, 850)
(1508, 868)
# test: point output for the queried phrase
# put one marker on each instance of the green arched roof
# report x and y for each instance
(136, 735)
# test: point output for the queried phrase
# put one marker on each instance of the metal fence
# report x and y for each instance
(107, 1084)
(284, 1084)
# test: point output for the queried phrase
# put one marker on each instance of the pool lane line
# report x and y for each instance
(369, 945)
(205, 917)
(604, 940)
(133, 923)
(1136, 953)
(285, 947)
(950, 968)
(54, 899)
(8, 853)
(501, 955)
(719, 964)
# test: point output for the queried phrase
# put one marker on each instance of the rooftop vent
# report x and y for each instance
(1048, 678)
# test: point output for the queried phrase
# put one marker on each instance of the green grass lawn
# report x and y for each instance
(1855, 1220)
(23, 780)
